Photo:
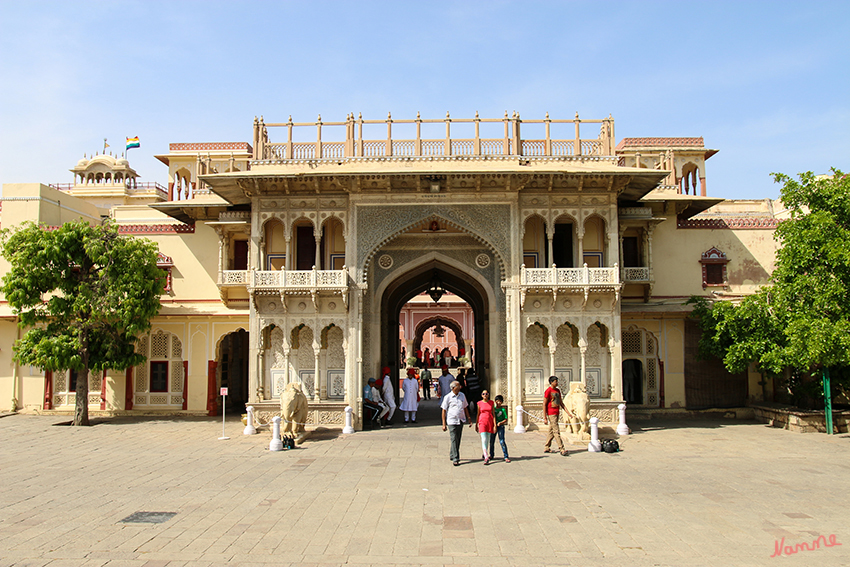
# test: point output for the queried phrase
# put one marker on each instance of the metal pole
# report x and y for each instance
(827, 397)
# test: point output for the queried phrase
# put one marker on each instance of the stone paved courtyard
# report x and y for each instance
(680, 493)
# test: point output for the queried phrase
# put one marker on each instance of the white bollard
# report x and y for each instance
(594, 446)
(349, 421)
(622, 429)
(276, 444)
(249, 428)
(520, 428)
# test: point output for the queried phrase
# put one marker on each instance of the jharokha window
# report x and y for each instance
(714, 268)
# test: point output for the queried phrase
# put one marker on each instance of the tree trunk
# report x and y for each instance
(81, 407)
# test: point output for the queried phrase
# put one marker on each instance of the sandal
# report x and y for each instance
(507, 460)
(565, 453)
(547, 450)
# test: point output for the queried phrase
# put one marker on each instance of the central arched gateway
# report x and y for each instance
(417, 280)
(448, 322)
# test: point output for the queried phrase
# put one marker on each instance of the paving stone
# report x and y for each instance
(680, 493)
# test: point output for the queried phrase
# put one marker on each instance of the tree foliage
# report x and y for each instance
(83, 293)
(801, 319)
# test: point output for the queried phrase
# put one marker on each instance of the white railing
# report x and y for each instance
(566, 277)
(284, 279)
(299, 279)
(233, 277)
(636, 274)
(355, 145)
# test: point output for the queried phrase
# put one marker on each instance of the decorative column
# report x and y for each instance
(615, 344)
(317, 349)
(286, 350)
(621, 235)
(550, 233)
(254, 352)
(580, 235)
(261, 365)
(612, 387)
(614, 247)
(553, 347)
(648, 236)
(261, 255)
(288, 261)
(582, 347)
(222, 243)
(317, 233)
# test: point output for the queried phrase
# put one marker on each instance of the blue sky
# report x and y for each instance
(766, 83)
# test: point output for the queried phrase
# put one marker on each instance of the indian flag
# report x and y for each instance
(133, 142)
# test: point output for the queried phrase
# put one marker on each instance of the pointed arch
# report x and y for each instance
(484, 224)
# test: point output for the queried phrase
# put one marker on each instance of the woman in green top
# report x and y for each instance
(500, 413)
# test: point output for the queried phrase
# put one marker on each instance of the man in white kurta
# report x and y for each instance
(410, 403)
(388, 394)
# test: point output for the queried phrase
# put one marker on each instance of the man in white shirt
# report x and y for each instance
(455, 413)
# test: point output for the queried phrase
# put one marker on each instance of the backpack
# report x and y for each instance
(610, 446)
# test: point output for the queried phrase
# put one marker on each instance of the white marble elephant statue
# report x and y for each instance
(579, 405)
(293, 410)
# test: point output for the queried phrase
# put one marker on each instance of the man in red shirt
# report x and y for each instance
(553, 402)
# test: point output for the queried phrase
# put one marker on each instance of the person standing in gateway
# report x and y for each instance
(426, 383)
(410, 402)
(388, 394)
(445, 381)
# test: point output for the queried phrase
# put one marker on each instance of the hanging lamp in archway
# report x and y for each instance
(435, 288)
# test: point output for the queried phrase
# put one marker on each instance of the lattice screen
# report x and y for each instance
(160, 346)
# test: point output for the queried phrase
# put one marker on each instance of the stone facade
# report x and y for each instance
(290, 261)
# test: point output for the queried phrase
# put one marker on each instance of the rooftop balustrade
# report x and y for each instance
(355, 145)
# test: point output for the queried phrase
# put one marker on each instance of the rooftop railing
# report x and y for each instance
(355, 145)
(139, 188)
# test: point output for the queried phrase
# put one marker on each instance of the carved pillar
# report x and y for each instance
(222, 247)
(553, 347)
(261, 255)
(615, 344)
(317, 389)
(318, 259)
(254, 353)
(550, 233)
(288, 262)
(648, 237)
(286, 351)
(582, 347)
(261, 366)
(580, 235)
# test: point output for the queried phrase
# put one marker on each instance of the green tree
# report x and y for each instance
(801, 319)
(83, 293)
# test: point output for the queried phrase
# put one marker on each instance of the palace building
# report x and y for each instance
(312, 254)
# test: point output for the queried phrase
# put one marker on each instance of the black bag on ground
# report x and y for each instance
(610, 446)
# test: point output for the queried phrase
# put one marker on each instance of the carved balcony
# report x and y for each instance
(636, 275)
(287, 283)
(557, 281)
